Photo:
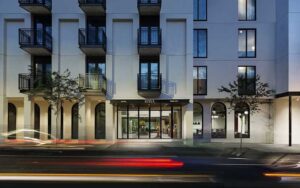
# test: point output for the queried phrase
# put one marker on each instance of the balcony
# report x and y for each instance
(149, 85)
(27, 82)
(93, 7)
(93, 84)
(92, 42)
(149, 41)
(35, 41)
(149, 7)
(37, 6)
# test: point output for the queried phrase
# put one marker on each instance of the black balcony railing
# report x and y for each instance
(92, 81)
(44, 3)
(149, 36)
(92, 3)
(149, 2)
(92, 37)
(149, 82)
(35, 38)
(28, 82)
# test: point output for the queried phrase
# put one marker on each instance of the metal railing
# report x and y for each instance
(28, 82)
(148, 36)
(35, 38)
(149, 2)
(92, 37)
(92, 81)
(149, 82)
(45, 3)
(92, 2)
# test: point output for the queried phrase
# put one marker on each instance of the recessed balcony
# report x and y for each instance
(27, 82)
(35, 41)
(149, 85)
(93, 84)
(92, 42)
(36, 6)
(149, 7)
(93, 7)
(149, 41)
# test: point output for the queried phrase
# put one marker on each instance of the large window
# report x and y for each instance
(200, 43)
(37, 121)
(157, 121)
(200, 10)
(247, 43)
(197, 121)
(247, 10)
(247, 80)
(242, 121)
(100, 121)
(200, 80)
(218, 118)
(12, 120)
(149, 74)
(75, 121)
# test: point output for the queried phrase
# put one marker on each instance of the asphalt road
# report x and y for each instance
(138, 171)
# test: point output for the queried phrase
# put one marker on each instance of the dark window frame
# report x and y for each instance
(236, 122)
(138, 107)
(197, 42)
(199, 136)
(247, 82)
(198, 11)
(225, 135)
(255, 37)
(198, 93)
(255, 12)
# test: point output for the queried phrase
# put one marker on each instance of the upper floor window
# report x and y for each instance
(200, 43)
(200, 10)
(247, 10)
(247, 43)
(247, 80)
(200, 80)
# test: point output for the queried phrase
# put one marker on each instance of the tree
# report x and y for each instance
(252, 93)
(56, 88)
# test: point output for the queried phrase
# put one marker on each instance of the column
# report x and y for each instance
(111, 124)
(28, 115)
(187, 127)
(82, 122)
(3, 116)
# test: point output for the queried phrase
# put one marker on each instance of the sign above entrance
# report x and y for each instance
(181, 102)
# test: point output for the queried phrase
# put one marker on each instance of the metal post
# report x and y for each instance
(290, 120)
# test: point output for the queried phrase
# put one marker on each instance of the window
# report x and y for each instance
(149, 74)
(247, 80)
(12, 120)
(247, 10)
(200, 80)
(247, 43)
(200, 43)
(242, 121)
(75, 121)
(200, 10)
(37, 121)
(198, 121)
(100, 121)
(218, 120)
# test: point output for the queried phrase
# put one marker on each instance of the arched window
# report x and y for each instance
(49, 122)
(242, 121)
(37, 117)
(62, 123)
(100, 121)
(198, 120)
(218, 120)
(75, 122)
(12, 120)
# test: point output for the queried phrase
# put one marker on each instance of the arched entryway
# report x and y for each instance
(242, 121)
(218, 120)
(37, 118)
(100, 121)
(198, 121)
(75, 121)
(12, 120)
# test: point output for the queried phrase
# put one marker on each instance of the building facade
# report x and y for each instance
(151, 69)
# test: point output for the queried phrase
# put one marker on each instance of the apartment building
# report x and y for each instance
(151, 69)
(132, 57)
(245, 38)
